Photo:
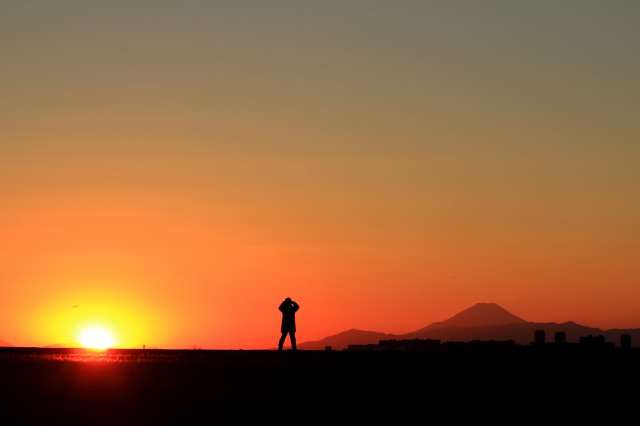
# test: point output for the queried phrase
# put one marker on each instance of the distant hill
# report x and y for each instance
(4, 343)
(346, 338)
(482, 321)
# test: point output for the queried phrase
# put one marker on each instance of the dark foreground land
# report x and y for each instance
(208, 387)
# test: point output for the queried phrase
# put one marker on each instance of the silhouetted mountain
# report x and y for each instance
(483, 321)
(4, 343)
(479, 315)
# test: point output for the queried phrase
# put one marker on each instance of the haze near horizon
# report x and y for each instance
(172, 170)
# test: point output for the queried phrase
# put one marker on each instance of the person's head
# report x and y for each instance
(288, 300)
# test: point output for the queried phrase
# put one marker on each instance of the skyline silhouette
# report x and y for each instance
(483, 321)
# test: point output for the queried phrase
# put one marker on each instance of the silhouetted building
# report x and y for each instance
(596, 343)
(560, 337)
(625, 341)
(539, 337)
(592, 340)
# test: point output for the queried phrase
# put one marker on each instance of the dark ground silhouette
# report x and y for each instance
(203, 387)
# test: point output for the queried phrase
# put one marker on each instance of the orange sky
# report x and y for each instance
(176, 169)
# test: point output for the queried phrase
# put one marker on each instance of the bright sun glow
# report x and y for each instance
(96, 338)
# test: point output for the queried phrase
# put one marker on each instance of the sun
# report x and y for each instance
(96, 338)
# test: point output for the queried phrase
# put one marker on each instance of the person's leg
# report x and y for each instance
(292, 336)
(281, 341)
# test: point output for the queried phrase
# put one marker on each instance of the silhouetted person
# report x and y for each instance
(288, 308)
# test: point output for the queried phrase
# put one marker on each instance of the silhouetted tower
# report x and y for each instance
(560, 338)
(539, 337)
(625, 341)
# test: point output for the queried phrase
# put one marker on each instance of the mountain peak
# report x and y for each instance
(482, 314)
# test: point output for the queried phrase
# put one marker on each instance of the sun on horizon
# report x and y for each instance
(96, 337)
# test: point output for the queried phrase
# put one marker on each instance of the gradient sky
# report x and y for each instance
(177, 168)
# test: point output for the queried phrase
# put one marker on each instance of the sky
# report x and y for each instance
(172, 170)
